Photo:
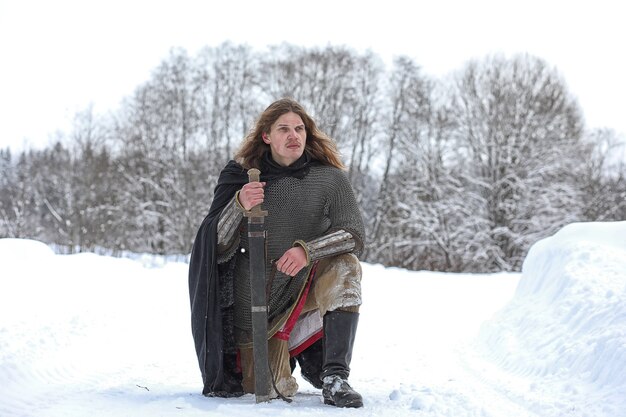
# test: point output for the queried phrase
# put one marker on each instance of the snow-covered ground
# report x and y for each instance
(87, 335)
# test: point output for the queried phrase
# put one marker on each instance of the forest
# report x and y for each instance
(460, 173)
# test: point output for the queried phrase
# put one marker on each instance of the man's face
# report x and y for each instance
(287, 138)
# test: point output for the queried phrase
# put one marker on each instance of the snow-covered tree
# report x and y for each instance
(518, 131)
(602, 175)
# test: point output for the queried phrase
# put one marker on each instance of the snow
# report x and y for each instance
(99, 336)
(565, 329)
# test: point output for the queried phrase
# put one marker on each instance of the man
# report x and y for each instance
(314, 234)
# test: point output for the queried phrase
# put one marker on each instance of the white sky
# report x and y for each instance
(59, 56)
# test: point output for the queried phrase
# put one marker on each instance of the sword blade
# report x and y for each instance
(256, 246)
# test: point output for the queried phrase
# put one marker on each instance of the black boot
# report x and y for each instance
(339, 332)
(310, 362)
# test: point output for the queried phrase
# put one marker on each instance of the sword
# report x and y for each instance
(256, 243)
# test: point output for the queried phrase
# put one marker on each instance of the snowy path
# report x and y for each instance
(85, 335)
(439, 314)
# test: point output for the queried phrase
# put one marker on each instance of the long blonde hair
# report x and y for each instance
(318, 144)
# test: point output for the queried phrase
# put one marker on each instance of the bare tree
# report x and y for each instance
(518, 129)
(230, 96)
(405, 88)
(602, 175)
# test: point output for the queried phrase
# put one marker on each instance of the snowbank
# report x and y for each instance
(17, 250)
(567, 319)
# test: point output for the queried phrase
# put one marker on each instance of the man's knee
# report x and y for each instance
(338, 285)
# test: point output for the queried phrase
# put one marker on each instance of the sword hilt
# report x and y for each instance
(254, 175)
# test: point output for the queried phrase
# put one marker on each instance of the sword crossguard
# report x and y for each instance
(254, 175)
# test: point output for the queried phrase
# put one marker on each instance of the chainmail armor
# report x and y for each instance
(299, 209)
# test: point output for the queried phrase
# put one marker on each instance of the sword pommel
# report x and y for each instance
(254, 175)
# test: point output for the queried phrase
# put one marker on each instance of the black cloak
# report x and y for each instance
(210, 291)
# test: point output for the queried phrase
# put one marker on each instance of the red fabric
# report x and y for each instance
(305, 345)
(285, 331)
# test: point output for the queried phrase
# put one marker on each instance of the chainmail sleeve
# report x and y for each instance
(228, 230)
(344, 212)
(346, 233)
